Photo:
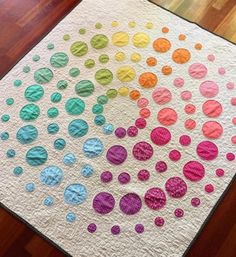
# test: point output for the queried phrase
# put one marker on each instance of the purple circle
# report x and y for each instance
(139, 228)
(106, 176)
(116, 154)
(207, 150)
(103, 203)
(143, 175)
(185, 140)
(195, 202)
(132, 131)
(115, 230)
(160, 136)
(176, 187)
(161, 166)
(130, 203)
(120, 132)
(142, 151)
(92, 228)
(124, 178)
(179, 213)
(155, 198)
(159, 221)
(174, 155)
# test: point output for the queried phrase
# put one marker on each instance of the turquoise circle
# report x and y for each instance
(29, 112)
(78, 128)
(97, 109)
(26, 69)
(108, 129)
(36, 58)
(69, 159)
(87, 171)
(93, 147)
(11, 153)
(74, 106)
(59, 144)
(84, 88)
(30, 187)
(51, 176)
(36, 156)
(56, 97)
(4, 136)
(62, 84)
(75, 194)
(74, 72)
(34, 93)
(17, 171)
(71, 217)
(99, 120)
(48, 201)
(5, 118)
(59, 60)
(50, 46)
(43, 75)
(17, 83)
(53, 128)
(52, 112)
(102, 99)
(27, 134)
(10, 101)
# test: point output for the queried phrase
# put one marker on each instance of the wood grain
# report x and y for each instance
(23, 24)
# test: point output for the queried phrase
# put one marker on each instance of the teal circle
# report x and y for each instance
(34, 93)
(99, 120)
(108, 129)
(84, 88)
(87, 171)
(97, 109)
(30, 187)
(5, 118)
(78, 128)
(17, 83)
(52, 112)
(36, 156)
(59, 144)
(11, 153)
(18, 171)
(59, 60)
(29, 112)
(56, 97)
(74, 72)
(26, 69)
(62, 84)
(27, 134)
(43, 75)
(4, 136)
(36, 58)
(74, 106)
(10, 101)
(102, 99)
(53, 128)
(50, 46)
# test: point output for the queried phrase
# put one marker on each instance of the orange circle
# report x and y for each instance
(190, 124)
(166, 70)
(148, 79)
(165, 30)
(151, 61)
(167, 116)
(161, 45)
(134, 94)
(198, 46)
(181, 55)
(182, 37)
(144, 113)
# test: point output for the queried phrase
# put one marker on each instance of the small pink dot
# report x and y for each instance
(142, 102)
(234, 120)
(132, 131)
(143, 175)
(144, 113)
(230, 156)
(174, 155)
(185, 140)
(179, 213)
(221, 71)
(233, 101)
(178, 82)
(186, 95)
(220, 172)
(211, 58)
(233, 139)
(230, 85)
(209, 188)
(159, 221)
(195, 202)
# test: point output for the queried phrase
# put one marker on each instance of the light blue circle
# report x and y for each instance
(27, 134)
(75, 194)
(99, 120)
(108, 129)
(48, 201)
(52, 128)
(11, 153)
(87, 171)
(36, 156)
(51, 176)
(18, 171)
(69, 159)
(78, 128)
(30, 187)
(59, 144)
(4, 135)
(71, 217)
(93, 147)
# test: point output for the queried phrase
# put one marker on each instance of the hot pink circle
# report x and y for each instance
(142, 151)
(179, 213)
(160, 136)
(178, 82)
(185, 140)
(207, 150)
(197, 70)
(176, 187)
(194, 170)
(159, 221)
(212, 129)
(161, 95)
(174, 155)
(143, 175)
(230, 156)
(209, 188)
(132, 131)
(209, 89)
(155, 198)
(220, 172)
(140, 123)
(195, 201)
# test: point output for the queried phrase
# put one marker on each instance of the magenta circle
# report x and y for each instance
(220, 172)
(92, 228)
(159, 221)
(140, 123)
(155, 198)
(124, 178)
(115, 230)
(185, 140)
(209, 188)
(160, 136)
(176, 187)
(209, 89)
(161, 166)
(207, 150)
(132, 131)
(179, 213)
(116, 154)
(195, 201)
(130, 203)
(106, 176)
(174, 155)
(142, 151)
(194, 171)
(139, 228)
(120, 132)
(197, 70)
(143, 175)
(230, 156)
(103, 203)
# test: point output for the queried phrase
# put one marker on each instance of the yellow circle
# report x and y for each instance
(120, 38)
(125, 74)
(132, 24)
(123, 91)
(149, 25)
(120, 56)
(114, 24)
(135, 57)
(141, 40)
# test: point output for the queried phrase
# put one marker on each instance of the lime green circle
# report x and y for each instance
(111, 93)
(5, 118)
(59, 60)
(104, 76)
(74, 72)
(66, 37)
(50, 46)
(52, 112)
(82, 31)
(103, 58)
(43, 75)
(98, 25)
(56, 97)
(84, 88)
(34, 93)
(99, 41)
(102, 99)
(10, 101)
(17, 83)
(90, 63)
(62, 84)
(36, 58)
(74, 106)
(29, 112)
(79, 48)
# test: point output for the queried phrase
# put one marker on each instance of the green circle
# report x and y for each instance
(74, 106)
(36, 156)
(74, 72)
(82, 31)
(52, 112)
(112, 93)
(36, 58)
(29, 112)
(99, 41)
(97, 109)
(56, 97)
(34, 93)
(59, 60)
(43, 75)
(17, 83)
(66, 37)
(84, 88)
(50, 46)
(99, 120)
(103, 58)
(10, 101)
(53, 128)
(62, 84)
(59, 144)
(90, 63)
(78, 128)
(5, 118)
(79, 48)
(102, 99)
(104, 76)
(98, 25)
(26, 69)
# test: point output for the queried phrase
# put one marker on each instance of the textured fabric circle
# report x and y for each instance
(92, 227)
(56, 97)
(48, 201)
(139, 228)
(160, 136)
(36, 156)
(116, 154)
(34, 93)
(155, 198)
(52, 112)
(78, 128)
(69, 159)
(103, 203)
(174, 155)
(99, 41)
(167, 116)
(132, 131)
(130, 204)
(99, 120)
(161, 166)
(120, 39)
(104, 76)
(74, 72)
(115, 230)
(51, 176)
(75, 194)
(194, 171)
(52, 128)
(125, 73)
(212, 129)
(97, 108)
(142, 151)
(17, 171)
(30, 187)
(197, 70)
(74, 106)
(59, 144)
(93, 147)
(207, 150)
(212, 108)
(161, 95)
(43, 75)
(143, 175)
(11, 153)
(106, 176)
(62, 84)
(209, 89)
(176, 187)
(185, 140)
(124, 178)
(84, 88)
(79, 48)
(108, 129)
(27, 134)
(71, 217)
(120, 132)
(29, 112)
(87, 171)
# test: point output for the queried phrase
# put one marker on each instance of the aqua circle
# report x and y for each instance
(48, 201)
(29, 112)
(43, 75)
(11, 153)
(53, 128)
(36, 156)
(52, 112)
(78, 128)
(69, 159)
(51, 176)
(55, 97)
(59, 60)
(10, 101)
(93, 147)
(74, 106)
(99, 120)
(17, 171)
(70, 217)
(74, 72)
(87, 171)
(102, 99)
(84, 88)
(36, 58)
(97, 109)
(17, 83)
(59, 144)
(108, 129)
(62, 84)
(4, 136)
(27, 134)
(75, 194)
(5, 118)
(34, 93)
(30, 187)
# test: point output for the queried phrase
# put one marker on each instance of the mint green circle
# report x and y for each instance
(34, 93)
(43, 75)
(10, 101)
(97, 109)
(36, 58)
(102, 99)
(59, 60)
(99, 41)
(50, 46)
(26, 69)
(52, 112)
(56, 97)
(74, 106)
(74, 72)
(29, 112)
(5, 118)
(104, 76)
(103, 58)
(90, 63)
(62, 84)
(79, 48)
(17, 83)
(84, 88)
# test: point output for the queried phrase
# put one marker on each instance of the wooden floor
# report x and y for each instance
(22, 25)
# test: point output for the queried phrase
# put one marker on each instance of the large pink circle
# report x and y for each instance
(160, 136)
(212, 129)
(197, 70)
(207, 150)
(194, 170)
(212, 108)
(209, 89)
(161, 95)
(176, 187)
(155, 198)
(142, 151)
